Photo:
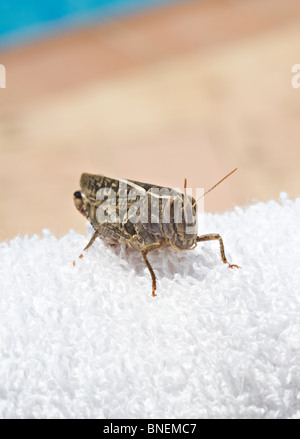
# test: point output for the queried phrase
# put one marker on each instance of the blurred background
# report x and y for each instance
(155, 91)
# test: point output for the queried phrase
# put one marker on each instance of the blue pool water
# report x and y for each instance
(24, 20)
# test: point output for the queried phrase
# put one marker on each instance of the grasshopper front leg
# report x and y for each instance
(216, 236)
(97, 233)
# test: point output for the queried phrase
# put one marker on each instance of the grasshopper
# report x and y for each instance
(110, 205)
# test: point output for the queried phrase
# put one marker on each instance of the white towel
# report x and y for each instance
(91, 342)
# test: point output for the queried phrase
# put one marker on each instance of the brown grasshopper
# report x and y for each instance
(119, 211)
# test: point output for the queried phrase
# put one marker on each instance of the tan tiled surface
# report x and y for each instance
(191, 90)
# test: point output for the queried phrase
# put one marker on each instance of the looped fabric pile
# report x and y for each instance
(91, 342)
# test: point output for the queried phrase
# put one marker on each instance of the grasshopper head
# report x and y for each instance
(80, 202)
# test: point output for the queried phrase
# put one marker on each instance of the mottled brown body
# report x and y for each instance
(144, 235)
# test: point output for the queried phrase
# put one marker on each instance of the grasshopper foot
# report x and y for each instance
(233, 265)
(80, 257)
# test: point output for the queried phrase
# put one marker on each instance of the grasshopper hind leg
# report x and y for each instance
(216, 236)
(144, 252)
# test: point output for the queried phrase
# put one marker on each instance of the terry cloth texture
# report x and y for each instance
(91, 342)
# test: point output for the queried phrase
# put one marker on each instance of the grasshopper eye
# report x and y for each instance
(77, 194)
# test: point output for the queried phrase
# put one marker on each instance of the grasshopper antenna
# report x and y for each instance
(217, 184)
(185, 186)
